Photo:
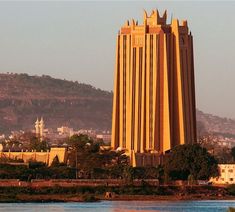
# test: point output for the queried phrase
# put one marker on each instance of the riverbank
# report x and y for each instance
(115, 193)
(93, 198)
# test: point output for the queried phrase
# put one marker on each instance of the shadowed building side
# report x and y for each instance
(154, 91)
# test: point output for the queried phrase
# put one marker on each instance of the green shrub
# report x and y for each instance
(231, 189)
(88, 197)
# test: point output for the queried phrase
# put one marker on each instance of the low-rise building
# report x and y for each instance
(45, 157)
(105, 137)
(226, 174)
(65, 131)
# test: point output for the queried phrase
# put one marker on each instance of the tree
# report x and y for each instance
(91, 161)
(190, 159)
(85, 155)
(128, 174)
(55, 162)
(233, 153)
(149, 173)
(36, 144)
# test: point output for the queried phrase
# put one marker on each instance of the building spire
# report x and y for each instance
(42, 125)
(37, 127)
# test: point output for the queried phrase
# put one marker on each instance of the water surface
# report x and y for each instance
(121, 206)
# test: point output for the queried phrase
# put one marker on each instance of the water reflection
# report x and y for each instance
(121, 206)
(134, 206)
(132, 210)
(172, 206)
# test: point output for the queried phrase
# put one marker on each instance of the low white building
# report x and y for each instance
(105, 137)
(65, 131)
(227, 174)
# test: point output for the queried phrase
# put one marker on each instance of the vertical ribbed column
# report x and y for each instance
(128, 96)
(160, 93)
(121, 93)
(143, 101)
(151, 109)
(155, 122)
(132, 96)
(175, 30)
(185, 86)
(192, 89)
(124, 89)
(189, 86)
(115, 114)
(137, 97)
(188, 55)
(166, 110)
(140, 98)
(172, 90)
(130, 138)
(147, 88)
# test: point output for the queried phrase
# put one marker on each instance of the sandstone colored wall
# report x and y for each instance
(45, 157)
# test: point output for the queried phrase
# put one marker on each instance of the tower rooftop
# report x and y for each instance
(155, 18)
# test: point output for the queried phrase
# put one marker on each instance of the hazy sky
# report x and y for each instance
(76, 41)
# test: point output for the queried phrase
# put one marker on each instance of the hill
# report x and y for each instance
(23, 98)
(215, 124)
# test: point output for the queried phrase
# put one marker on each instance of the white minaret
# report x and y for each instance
(37, 128)
(41, 126)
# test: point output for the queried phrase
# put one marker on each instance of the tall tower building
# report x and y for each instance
(154, 92)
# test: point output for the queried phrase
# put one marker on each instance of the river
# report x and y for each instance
(121, 206)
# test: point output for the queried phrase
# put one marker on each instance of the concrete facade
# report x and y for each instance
(154, 92)
(45, 157)
(226, 174)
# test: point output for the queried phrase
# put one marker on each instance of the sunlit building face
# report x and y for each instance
(154, 91)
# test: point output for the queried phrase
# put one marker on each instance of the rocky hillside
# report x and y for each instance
(23, 98)
(214, 124)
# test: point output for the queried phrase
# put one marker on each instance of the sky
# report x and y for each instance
(76, 41)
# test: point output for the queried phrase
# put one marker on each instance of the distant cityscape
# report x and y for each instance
(55, 137)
